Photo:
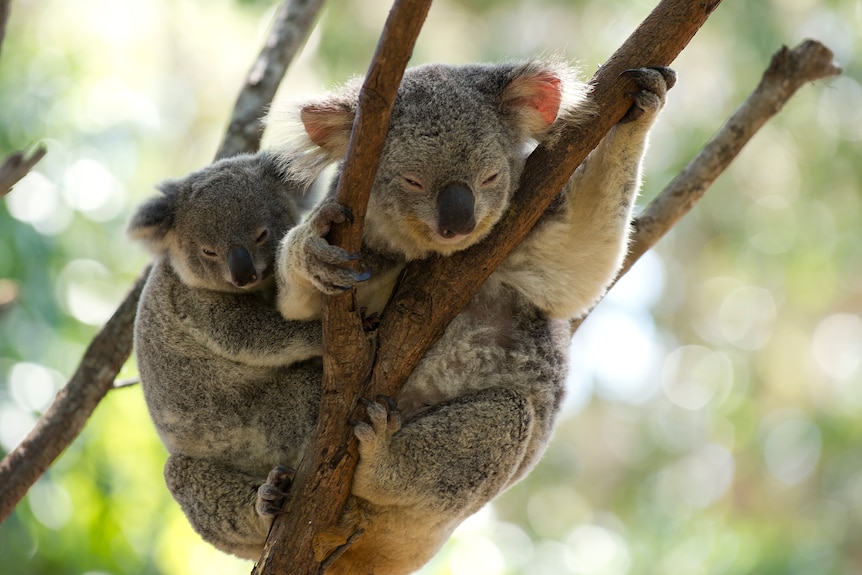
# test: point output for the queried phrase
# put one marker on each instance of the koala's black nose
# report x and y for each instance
(241, 267)
(456, 215)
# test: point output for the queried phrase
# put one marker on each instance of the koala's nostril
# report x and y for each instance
(455, 210)
(241, 266)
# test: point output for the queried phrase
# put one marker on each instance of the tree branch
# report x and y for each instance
(73, 405)
(68, 413)
(433, 291)
(16, 165)
(4, 18)
(788, 71)
(290, 29)
(326, 471)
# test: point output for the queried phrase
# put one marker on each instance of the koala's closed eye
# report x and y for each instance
(262, 236)
(413, 183)
(209, 253)
(491, 179)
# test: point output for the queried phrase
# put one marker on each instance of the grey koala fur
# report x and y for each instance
(231, 386)
(479, 410)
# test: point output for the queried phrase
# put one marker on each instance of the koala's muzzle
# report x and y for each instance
(456, 214)
(241, 266)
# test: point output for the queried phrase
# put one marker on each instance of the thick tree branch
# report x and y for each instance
(432, 292)
(63, 421)
(290, 29)
(325, 473)
(788, 71)
(16, 166)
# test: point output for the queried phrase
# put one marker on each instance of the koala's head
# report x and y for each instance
(454, 153)
(220, 226)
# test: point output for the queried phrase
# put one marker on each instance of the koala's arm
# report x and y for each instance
(243, 328)
(567, 262)
(308, 266)
(228, 508)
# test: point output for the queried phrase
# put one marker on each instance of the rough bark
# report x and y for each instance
(322, 483)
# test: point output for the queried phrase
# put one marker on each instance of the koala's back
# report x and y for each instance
(206, 404)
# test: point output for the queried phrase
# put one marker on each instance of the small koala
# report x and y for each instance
(479, 410)
(232, 387)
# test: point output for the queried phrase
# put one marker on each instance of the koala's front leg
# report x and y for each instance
(575, 252)
(308, 265)
(449, 460)
(615, 164)
(230, 509)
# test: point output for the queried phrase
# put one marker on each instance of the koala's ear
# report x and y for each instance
(328, 124)
(155, 218)
(533, 97)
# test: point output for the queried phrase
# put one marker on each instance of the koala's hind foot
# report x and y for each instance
(270, 495)
(385, 420)
(654, 82)
(307, 253)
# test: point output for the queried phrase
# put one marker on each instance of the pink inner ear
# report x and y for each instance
(324, 124)
(541, 92)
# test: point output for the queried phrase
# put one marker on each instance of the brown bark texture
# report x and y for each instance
(325, 473)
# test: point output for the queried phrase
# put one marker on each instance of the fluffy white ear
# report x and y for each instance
(313, 134)
(539, 93)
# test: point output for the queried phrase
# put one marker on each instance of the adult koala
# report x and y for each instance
(479, 410)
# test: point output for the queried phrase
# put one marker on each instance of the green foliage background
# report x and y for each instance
(713, 421)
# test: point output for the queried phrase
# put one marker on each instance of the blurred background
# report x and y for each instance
(713, 418)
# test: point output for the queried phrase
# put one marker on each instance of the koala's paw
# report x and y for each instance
(327, 267)
(654, 82)
(385, 421)
(271, 495)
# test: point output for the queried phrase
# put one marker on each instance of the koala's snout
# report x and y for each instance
(241, 266)
(456, 214)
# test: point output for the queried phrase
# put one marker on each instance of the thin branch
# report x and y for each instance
(63, 421)
(788, 71)
(16, 166)
(290, 29)
(66, 416)
(325, 473)
(418, 312)
(4, 18)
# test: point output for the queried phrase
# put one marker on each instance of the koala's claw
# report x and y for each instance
(668, 74)
(654, 82)
(327, 214)
(385, 420)
(271, 495)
